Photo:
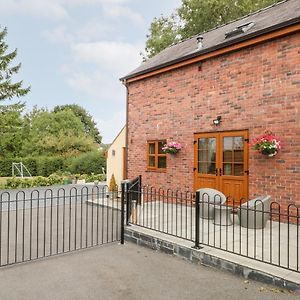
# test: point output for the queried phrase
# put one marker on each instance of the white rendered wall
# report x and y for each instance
(115, 162)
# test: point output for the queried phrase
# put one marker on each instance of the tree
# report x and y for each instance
(56, 133)
(11, 130)
(163, 34)
(8, 89)
(194, 17)
(86, 119)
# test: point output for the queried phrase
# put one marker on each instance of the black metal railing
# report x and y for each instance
(133, 194)
(41, 222)
(260, 229)
(163, 210)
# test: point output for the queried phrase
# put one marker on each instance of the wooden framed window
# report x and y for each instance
(156, 158)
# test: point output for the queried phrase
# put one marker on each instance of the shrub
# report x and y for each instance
(95, 177)
(12, 183)
(112, 184)
(53, 179)
(87, 163)
(48, 165)
(5, 167)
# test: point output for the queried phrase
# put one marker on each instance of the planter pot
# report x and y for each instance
(171, 152)
(268, 153)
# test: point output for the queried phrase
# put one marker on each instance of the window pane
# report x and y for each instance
(162, 162)
(202, 155)
(202, 143)
(212, 149)
(152, 148)
(238, 148)
(227, 169)
(151, 161)
(160, 145)
(211, 168)
(227, 156)
(227, 149)
(227, 143)
(238, 170)
(202, 167)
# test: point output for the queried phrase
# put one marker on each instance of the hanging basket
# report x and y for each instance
(267, 144)
(269, 153)
(172, 147)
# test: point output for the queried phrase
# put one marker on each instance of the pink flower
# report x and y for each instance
(172, 147)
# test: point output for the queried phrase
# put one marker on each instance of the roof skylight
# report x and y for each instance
(239, 30)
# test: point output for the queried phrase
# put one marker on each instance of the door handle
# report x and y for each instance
(220, 171)
(216, 172)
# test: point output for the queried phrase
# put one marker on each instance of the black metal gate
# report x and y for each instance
(132, 193)
(49, 221)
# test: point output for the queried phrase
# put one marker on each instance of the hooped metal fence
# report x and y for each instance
(260, 229)
(49, 221)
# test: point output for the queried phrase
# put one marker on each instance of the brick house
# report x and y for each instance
(246, 74)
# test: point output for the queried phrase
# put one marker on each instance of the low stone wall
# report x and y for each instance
(199, 257)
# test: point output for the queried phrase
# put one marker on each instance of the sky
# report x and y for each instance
(75, 51)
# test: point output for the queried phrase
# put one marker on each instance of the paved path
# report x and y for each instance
(278, 243)
(39, 222)
(48, 230)
(126, 272)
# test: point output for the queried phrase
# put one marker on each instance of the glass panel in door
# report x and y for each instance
(233, 155)
(206, 155)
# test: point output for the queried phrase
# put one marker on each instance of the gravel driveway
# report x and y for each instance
(126, 272)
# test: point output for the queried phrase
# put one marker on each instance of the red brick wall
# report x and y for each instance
(257, 88)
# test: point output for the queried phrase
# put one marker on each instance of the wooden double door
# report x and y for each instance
(221, 162)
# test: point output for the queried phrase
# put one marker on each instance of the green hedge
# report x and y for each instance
(42, 166)
(53, 179)
(87, 163)
(49, 165)
(13, 183)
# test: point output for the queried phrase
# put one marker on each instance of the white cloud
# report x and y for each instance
(122, 11)
(117, 57)
(94, 30)
(97, 85)
(49, 9)
(83, 2)
(43, 9)
(109, 128)
(58, 35)
(108, 97)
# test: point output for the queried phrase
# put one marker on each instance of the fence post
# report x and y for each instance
(197, 221)
(122, 212)
(128, 203)
(140, 190)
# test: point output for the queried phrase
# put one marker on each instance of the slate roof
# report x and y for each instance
(266, 20)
